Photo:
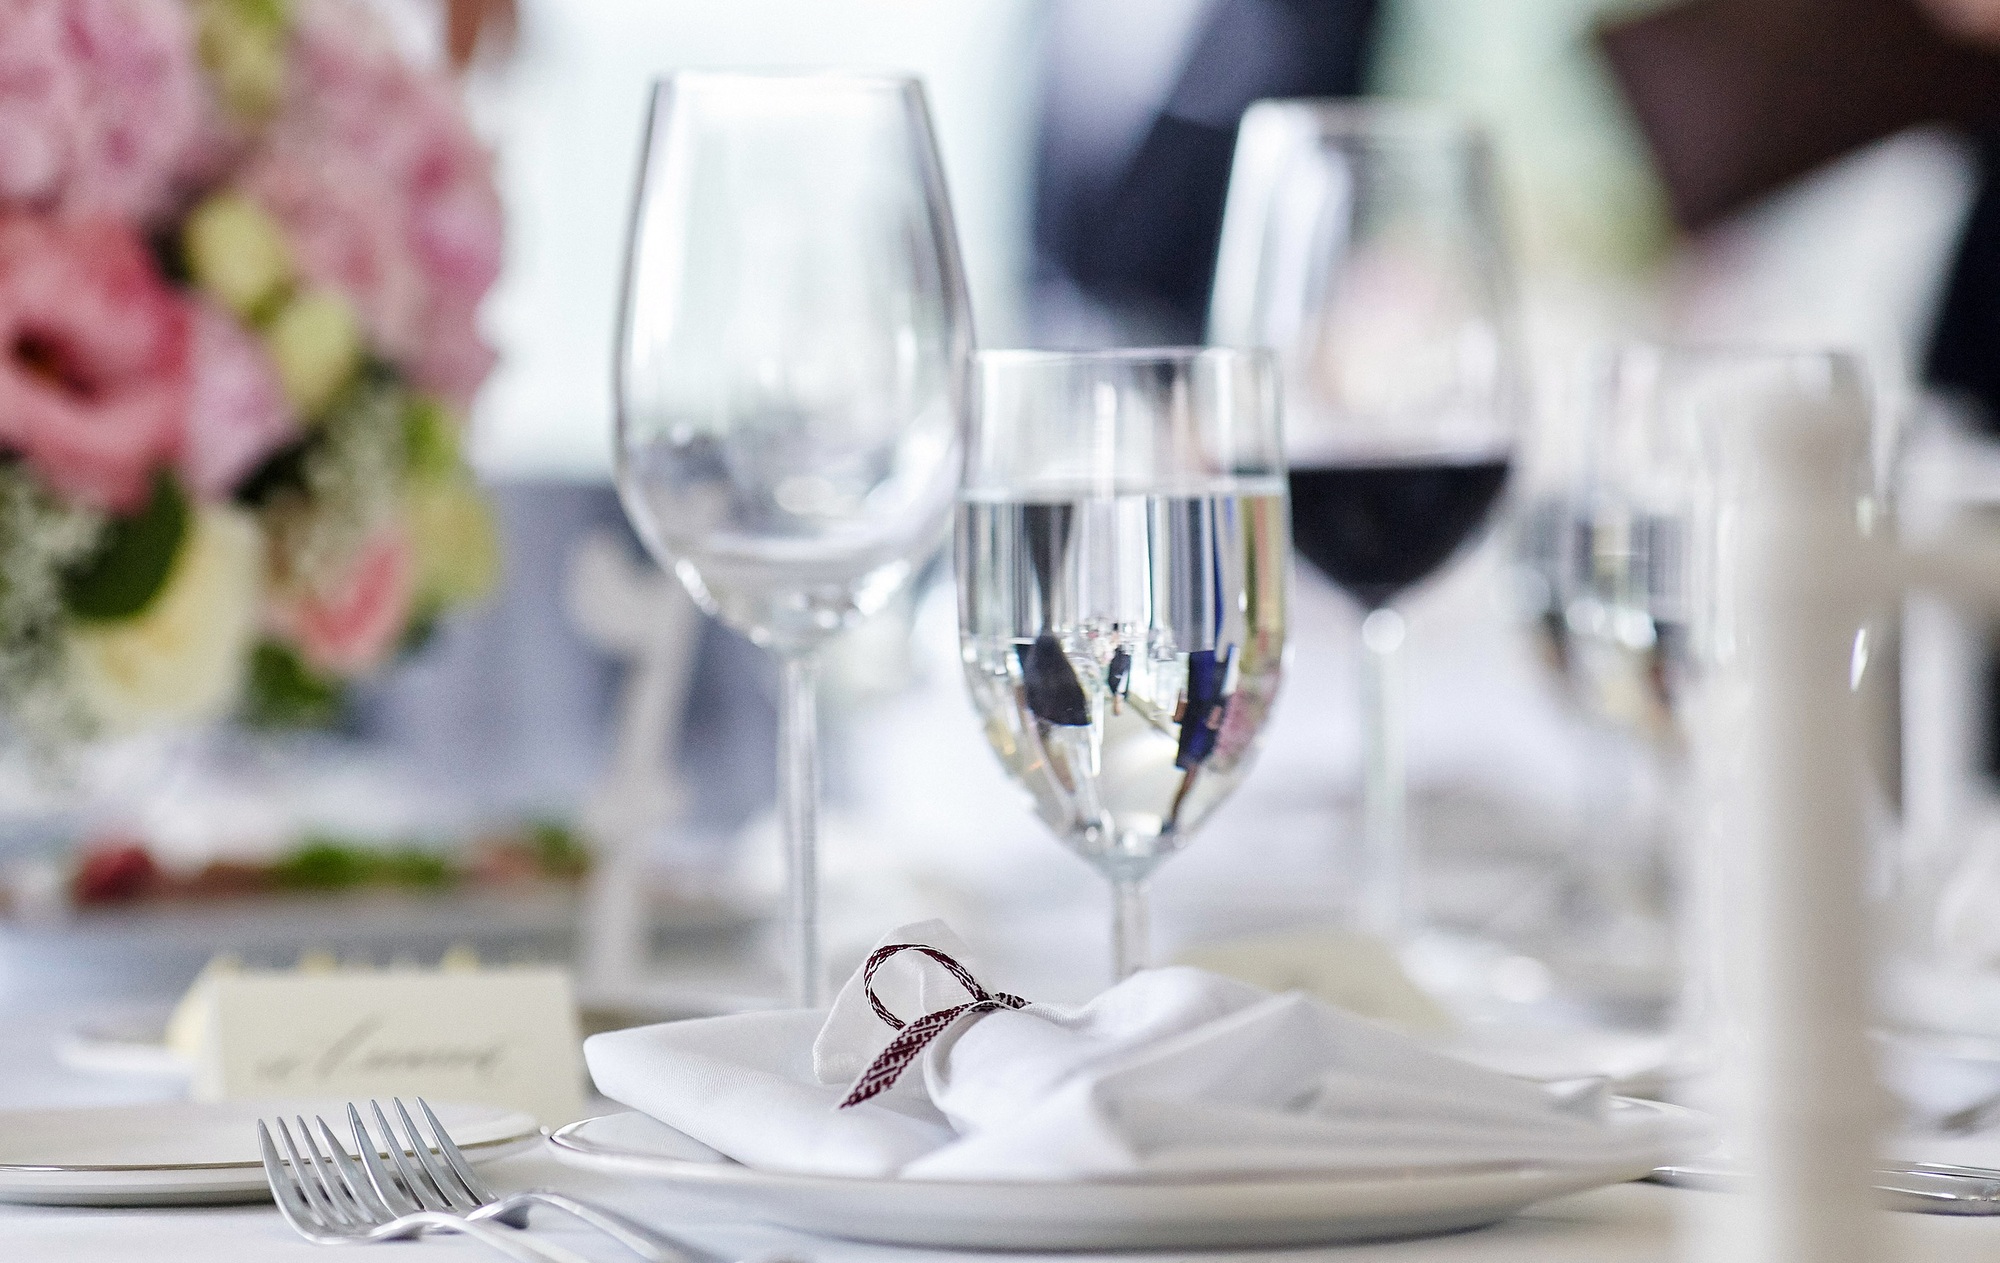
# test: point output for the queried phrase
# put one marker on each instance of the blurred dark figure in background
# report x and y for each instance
(1965, 349)
(1738, 97)
(1129, 237)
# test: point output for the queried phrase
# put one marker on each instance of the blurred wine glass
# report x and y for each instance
(1603, 579)
(792, 376)
(1601, 585)
(1123, 569)
(1362, 241)
(1654, 621)
(1669, 469)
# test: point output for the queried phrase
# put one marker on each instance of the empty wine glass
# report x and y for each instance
(1123, 568)
(792, 376)
(1672, 471)
(1362, 242)
(1671, 467)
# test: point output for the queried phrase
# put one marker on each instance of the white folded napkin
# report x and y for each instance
(1172, 1072)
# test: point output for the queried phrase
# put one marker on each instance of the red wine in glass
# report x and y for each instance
(1378, 527)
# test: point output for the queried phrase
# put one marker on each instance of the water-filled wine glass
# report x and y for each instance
(1123, 566)
(792, 375)
(1362, 242)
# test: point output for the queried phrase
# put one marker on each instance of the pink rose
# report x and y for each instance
(100, 104)
(39, 101)
(453, 359)
(237, 411)
(344, 226)
(455, 217)
(387, 194)
(455, 229)
(349, 624)
(93, 358)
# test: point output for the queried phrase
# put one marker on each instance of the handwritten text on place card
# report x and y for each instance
(501, 1037)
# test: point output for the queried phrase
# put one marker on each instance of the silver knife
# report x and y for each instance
(1926, 1188)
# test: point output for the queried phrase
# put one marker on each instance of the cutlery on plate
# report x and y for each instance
(1928, 1188)
(328, 1200)
(513, 1207)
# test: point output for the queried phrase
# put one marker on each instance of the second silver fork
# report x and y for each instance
(470, 1196)
(328, 1200)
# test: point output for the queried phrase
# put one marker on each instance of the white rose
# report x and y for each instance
(181, 660)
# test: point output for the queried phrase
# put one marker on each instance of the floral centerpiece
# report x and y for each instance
(242, 248)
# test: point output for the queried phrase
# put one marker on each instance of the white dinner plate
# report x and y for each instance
(181, 1153)
(1219, 1213)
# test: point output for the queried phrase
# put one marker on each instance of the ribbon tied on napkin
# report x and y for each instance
(913, 1038)
(1171, 1073)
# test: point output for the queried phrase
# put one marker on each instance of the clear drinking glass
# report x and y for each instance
(1670, 467)
(1123, 567)
(793, 375)
(1363, 242)
(1671, 471)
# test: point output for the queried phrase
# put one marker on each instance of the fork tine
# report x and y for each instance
(323, 1206)
(284, 1189)
(379, 1175)
(331, 1179)
(430, 1197)
(453, 1154)
(461, 1198)
(366, 1202)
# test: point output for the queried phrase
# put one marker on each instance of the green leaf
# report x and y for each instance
(430, 440)
(275, 14)
(321, 866)
(411, 867)
(326, 863)
(423, 629)
(558, 851)
(284, 692)
(130, 565)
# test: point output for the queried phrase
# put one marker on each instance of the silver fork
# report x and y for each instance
(327, 1199)
(478, 1200)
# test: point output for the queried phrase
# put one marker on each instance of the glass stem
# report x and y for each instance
(1130, 931)
(1386, 861)
(798, 810)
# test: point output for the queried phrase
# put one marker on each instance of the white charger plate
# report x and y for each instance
(1221, 1213)
(183, 1154)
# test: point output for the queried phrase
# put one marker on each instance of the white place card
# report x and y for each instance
(496, 1036)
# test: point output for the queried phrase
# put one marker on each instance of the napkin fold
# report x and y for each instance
(1172, 1072)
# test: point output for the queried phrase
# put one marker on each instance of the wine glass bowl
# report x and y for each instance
(1123, 566)
(1379, 527)
(792, 376)
(1670, 476)
(1362, 241)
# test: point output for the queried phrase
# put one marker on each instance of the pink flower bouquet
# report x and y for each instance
(243, 245)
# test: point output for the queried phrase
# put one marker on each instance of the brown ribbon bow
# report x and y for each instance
(890, 1063)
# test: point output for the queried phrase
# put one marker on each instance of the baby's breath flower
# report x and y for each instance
(40, 538)
(350, 484)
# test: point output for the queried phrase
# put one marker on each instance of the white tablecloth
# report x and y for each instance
(1632, 1223)
(1269, 854)
(1627, 1224)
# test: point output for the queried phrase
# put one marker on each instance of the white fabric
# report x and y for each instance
(1631, 1223)
(1172, 1071)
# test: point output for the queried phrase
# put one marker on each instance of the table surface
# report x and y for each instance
(972, 808)
(1633, 1223)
